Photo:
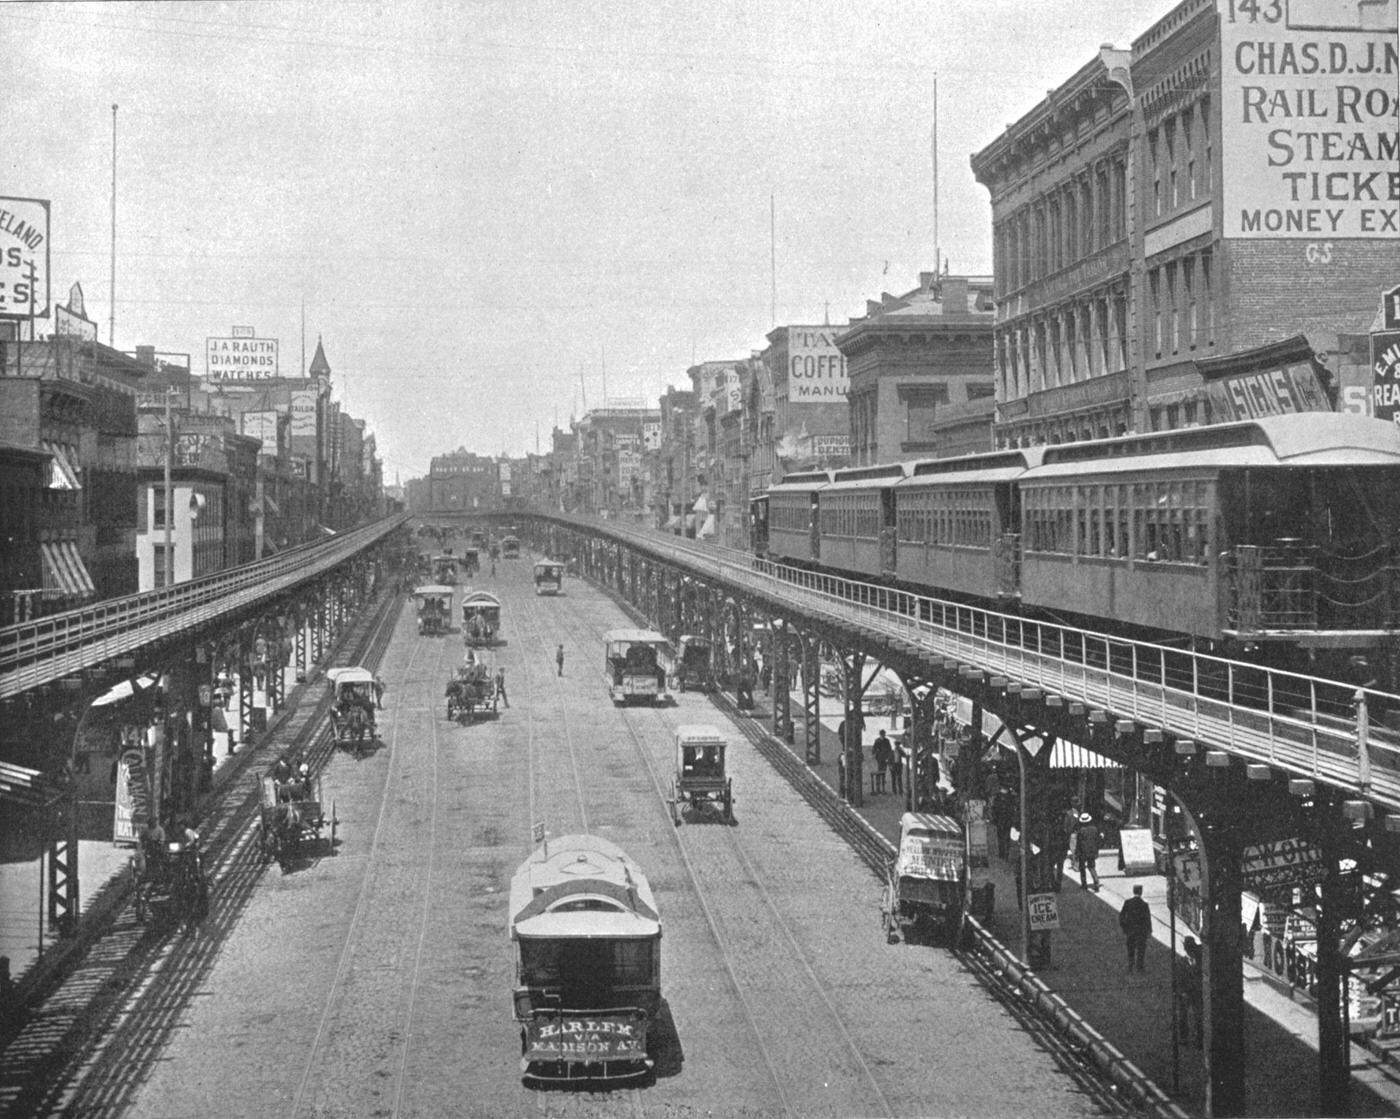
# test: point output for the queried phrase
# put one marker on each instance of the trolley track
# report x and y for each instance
(104, 1029)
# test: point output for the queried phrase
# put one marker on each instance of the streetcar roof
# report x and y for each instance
(480, 598)
(634, 636)
(350, 675)
(582, 883)
(432, 591)
(698, 734)
(549, 563)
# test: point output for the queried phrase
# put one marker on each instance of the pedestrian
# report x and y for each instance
(898, 762)
(378, 693)
(1135, 919)
(1086, 851)
(1189, 977)
(883, 753)
(501, 687)
(1003, 819)
(559, 659)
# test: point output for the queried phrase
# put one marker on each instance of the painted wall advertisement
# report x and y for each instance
(24, 258)
(1309, 126)
(816, 372)
(240, 359)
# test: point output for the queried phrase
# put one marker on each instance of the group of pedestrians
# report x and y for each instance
(889, 758)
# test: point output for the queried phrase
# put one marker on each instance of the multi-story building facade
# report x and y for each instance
(1202, 196)
(921, 372)
(608, 454)
(461, 482)
(673, 478)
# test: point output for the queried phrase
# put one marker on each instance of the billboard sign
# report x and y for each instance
(261, 426)
(1308, 111)
(304, 413)
(68, 325)
(24, 258)
(240, 359)
(1385, 375)
(1271, 392)
(1285, 862)
(816, 372)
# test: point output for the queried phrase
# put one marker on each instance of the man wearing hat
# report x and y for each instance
(1086, 851)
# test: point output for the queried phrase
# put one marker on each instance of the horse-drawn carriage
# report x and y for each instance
(549, 577)
(471, 693)
(481, 619)
(170, 882)
(693, 664)
(510, 547)
(471, 561)
(636, 663)
(927, 880)
(352, 707)
(292, 813)
(434, 608)
(445, 569)
(700, 776)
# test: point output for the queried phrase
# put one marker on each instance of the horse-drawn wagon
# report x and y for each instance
(927, 880)
(510, 547)
(700, 775)
(434, 608)
(168, 881)
(292, 813)
(471, 693)
(445, 568)
(353, 692)
(481, 619)
(693, 668)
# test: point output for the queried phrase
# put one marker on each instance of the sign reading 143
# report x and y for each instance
(1270, 11)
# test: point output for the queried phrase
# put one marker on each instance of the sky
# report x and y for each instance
(499, 214)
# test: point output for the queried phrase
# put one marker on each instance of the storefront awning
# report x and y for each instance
(62, 476)
(702, 505)
(1063, 755)
(65, 574)
(708, 528)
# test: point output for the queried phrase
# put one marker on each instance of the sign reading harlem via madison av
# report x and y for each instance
(1308, 118)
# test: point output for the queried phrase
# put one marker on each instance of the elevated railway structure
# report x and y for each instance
(1255, 761)
(230, 640)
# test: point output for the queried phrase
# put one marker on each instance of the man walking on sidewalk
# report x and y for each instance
(1135, 919)
(1086, 851)
(501, 686)
(559, 659)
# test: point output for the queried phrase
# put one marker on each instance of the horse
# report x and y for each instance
(286, 831)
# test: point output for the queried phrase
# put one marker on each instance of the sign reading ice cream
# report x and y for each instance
(1308, 118)
(241, 359)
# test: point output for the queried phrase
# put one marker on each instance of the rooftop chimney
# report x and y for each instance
(955, 295)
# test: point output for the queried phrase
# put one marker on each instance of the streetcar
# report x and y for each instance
(481, 619)
(636, 663)
(700, 775)
(434, 608)
(927, 880)
(445, 568)
(549, 577)
(353, 699)
(510, 547)
(586, 938)
(693, 669)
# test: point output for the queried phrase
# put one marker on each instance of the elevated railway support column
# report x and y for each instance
(811, 646)
(853, 691)
(781, 676)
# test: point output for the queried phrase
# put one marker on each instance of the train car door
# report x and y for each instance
(814, 522)
(889, 557)
(1006, 539)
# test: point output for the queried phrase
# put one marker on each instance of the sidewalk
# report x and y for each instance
(1133, 1010)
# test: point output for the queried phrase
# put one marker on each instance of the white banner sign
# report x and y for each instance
(1308, 118)
(68, 325)
(304, 413)
(816, 372)
(262, 426)
(24, 258)
(241, 359)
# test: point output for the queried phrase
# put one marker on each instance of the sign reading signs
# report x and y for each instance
(1309, 137)
(241, 359)
(1271, 392)
(816, 372)
(1286, 862)
(24, 258)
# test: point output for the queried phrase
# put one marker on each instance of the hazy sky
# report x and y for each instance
(477, 202)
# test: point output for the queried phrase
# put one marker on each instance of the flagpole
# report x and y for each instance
(933, 143)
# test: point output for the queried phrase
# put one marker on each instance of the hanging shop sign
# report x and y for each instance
(1385, 375)
(1285, 862)
(24, 258)
(1270, 392)
(1044, 912)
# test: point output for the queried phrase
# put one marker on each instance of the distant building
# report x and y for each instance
(811, 415)
(921, 372)
(461, 482)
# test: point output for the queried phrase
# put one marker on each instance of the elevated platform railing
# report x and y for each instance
(45, 650)
(1307, 726)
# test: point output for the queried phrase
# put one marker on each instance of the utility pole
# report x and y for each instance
(112, 292)
(169, 492)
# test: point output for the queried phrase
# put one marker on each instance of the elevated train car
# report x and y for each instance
(586, 935)
(1281, 534)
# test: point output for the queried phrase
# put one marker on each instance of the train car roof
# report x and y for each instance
(584, 887)
(646, 636)
(1305, 439)
(802, 482)
(1000, 466)
(869, 477)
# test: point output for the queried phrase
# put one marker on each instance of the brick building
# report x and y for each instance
(1158, 211)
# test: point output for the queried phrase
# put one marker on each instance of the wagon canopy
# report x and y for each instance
(930, 847)
(480, 600)
(350, 675)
